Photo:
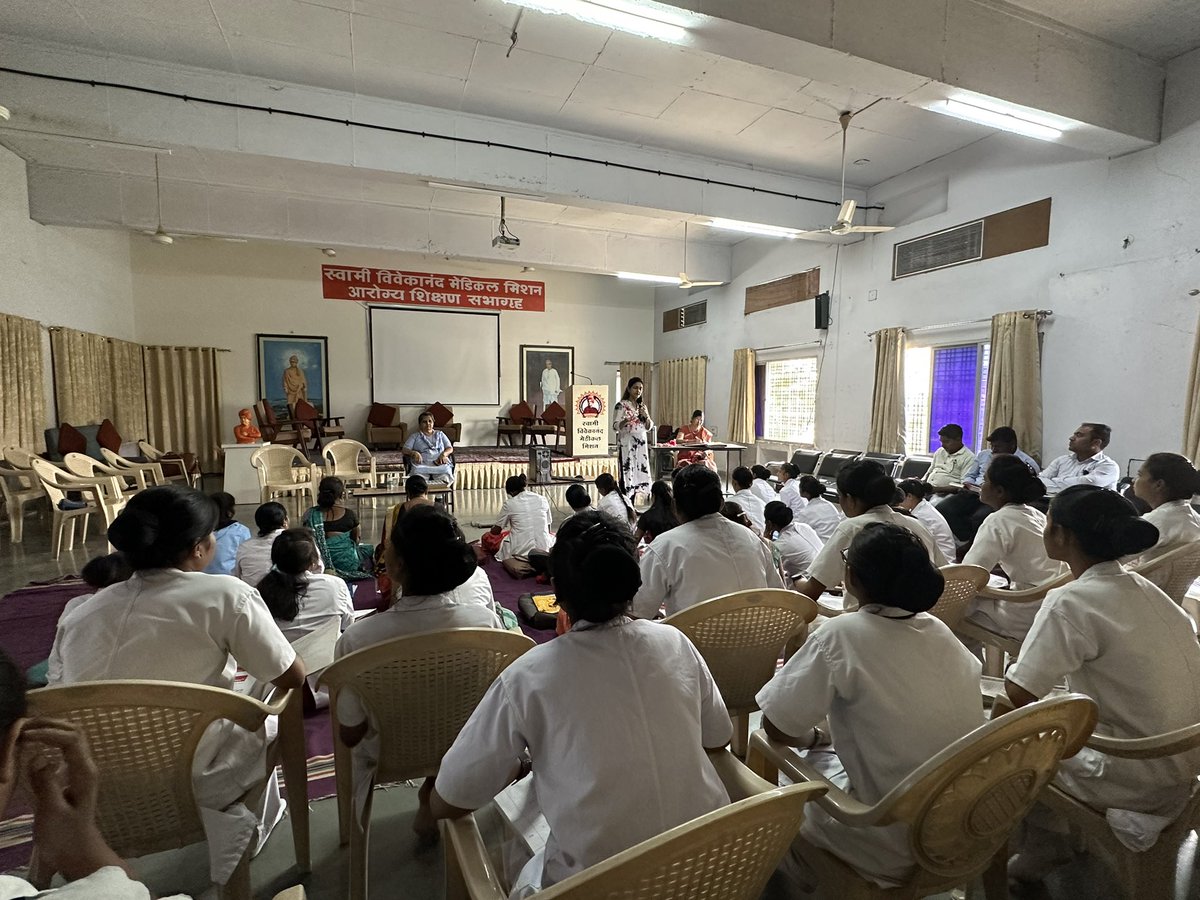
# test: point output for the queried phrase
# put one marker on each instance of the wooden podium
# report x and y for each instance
(589, 420)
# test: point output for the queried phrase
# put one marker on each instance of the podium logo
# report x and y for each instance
(591, 405)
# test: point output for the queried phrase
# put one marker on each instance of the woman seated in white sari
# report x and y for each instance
(429, 452)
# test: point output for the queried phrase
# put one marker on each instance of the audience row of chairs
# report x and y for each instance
(825, 465)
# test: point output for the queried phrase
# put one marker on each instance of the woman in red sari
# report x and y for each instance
(695, 433)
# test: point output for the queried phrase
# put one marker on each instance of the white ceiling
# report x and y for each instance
(1158, 29)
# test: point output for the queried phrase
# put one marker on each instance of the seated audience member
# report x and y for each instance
(336, 532)
(301, 600)
(430, 561)
(429, 451)
(578, 499)
(751, 504)
(964, 511)
(695, 432)
(1011, 539)
(659, 707)
(789, 488)
(526, 517)
(1085, 463)
(60, 781)
(864, 492)
(761, 486)
(1167, 482)
(896, 684)
(612, 502)
(816, 512)
(796, 543)
(950, 462)
(230, 535)
(706, 556)
(172, 622)
(1116, 637)
(254, 556)
(416, 493)
(660, 517)
(915, 499)
(98, 572)
(732, 510)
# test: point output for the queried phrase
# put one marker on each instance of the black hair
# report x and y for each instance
(697, 491)
(423, 415)
(159, 526)
(12, 694)
(865, 480)
(1178, 476)
(270, 517)
(431, 547)
(893, 568)
(1003, 435)
(914, 487)
(661, 496)
(1013, 475)
(779, 514)
(605, 482)
(1099, 432)
(330, 491)
(415, 486)
(632, 381)
(226, 507)
(792, 470)
(595, 568)
(578, 497)
(742, 477)
(761, 472)
(697, 414)
(101, 571)
(292, 554)
(951, 431)
(810, 486)
(514, 484)
(732, 510)
(1106, 525)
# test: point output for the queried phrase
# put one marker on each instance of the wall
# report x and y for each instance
(213, 293)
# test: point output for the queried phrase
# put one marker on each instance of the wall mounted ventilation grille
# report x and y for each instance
(685, 316)
(952, 247)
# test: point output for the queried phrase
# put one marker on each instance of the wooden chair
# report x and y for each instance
(130, 481)
(152, 471)
(728, 854)
(995, 644)
(1149, 875)
(516, 424)
(394, 433)
(741, 636)
(960, 806)
(1174, 571)
(553, 420)
(143, 737)
(278, 474)
(279, 431)
(174, 469)
(19, 488)
(962, 584)
(102, 495)
(343, 458)
(418, 692)
(321, 427)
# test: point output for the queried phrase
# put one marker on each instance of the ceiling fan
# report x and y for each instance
(685, 282)
(161, 236)
(844, 224)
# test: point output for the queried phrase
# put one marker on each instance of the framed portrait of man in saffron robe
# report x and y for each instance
(293, 367)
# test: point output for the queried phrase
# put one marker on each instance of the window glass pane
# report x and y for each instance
(790, 401)
(955, 390)
(917, 362)
(983, 385)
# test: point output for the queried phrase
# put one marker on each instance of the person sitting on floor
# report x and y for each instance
(751, 504)
(817, 512)
(864, 491)
(659, 706)
(1012, 539)
(1119, 639)
(950, 462)
(98, 572)
(430, 561)
(578, 499)
(660, 517)
(526, 517)
(789, 488)
(1167, 482)
(1085, 462)
(172, 622)
(896, 684)
(916, 500)
(416, 493)
(797, 543)
(60, 780)
(336, 533)
(301, 600)
(613, 502)
(254, 556)
(706, 556)
(964, 511)
(429, 451)
(761, 486)
(230, 535)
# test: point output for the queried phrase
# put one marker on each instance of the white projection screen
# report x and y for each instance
(419, 357)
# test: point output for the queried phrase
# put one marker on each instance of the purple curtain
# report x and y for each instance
(955, 391)
(760, 399)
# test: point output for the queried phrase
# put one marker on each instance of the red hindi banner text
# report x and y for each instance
(428, 289)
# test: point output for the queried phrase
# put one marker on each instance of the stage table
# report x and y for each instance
(716, 446)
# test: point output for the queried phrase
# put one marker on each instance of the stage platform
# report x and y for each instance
(489, 467)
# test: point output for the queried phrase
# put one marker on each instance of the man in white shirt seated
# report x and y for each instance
(963, 511)
(706, 556)
(950, 462)
(1085, 463)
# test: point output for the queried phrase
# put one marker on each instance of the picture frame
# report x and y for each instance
(533, 363)
(275, 352)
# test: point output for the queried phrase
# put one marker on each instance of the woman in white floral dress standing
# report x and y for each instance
(633, 427)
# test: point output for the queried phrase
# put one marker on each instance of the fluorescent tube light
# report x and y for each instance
(656, 279)
(620, 15)
(493, 192)
(1006, 121)
(754, 228)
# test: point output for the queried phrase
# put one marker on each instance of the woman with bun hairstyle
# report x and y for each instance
(431, 563)
(896, 684)
(300, 599)
(660, 517)
(916, 496)
(814, 510)
(526, 517)
(336, 532)
(1167, 483)
(613, 503)
(796, 543)
(1011, 537)
(230, 534)
(611, 766)
(864, 492)
(172, 622)
(1116, 637)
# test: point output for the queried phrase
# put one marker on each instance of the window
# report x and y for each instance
(789, 400)
(942, 385)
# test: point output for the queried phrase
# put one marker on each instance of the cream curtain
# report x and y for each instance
(643, 370)
(1191, 407)
(82, 376)
(887, 400)
(183, 401)
(741, 398)
(23, 412)
(128, 407)
(681, 386)
(1014, 393)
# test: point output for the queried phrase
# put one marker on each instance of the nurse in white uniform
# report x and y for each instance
(1116, 637)
(916, 501)
(253, 559)
(1167, 482)
(301, 600)
(1011, 538)
(897, 687)
(744, 496)
(824, 517)
(762, 487)
(613, 503)
(789, 489)
(616, 715)
(797, 543)
(526, 517)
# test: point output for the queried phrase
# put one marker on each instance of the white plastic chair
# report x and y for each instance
(19, 487)
(153, 471)
(343, 460)
(103, 497)
(152, 453)
(278, 474)
(131, 481)
(1174, 571)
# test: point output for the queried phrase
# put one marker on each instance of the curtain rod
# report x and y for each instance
(609, 362)
(1040, 314)
(123, 341)
(788, 346)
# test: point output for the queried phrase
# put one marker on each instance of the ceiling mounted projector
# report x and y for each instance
(505, 238)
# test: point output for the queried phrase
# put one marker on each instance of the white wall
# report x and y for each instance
(212, 293)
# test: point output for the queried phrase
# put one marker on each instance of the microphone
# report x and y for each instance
(581, 375)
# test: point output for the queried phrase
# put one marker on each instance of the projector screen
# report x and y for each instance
(419, 357)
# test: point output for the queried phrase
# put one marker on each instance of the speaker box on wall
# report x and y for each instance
(539, 465)
(822, 311)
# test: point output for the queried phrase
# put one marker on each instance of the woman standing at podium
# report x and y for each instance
(633, 426)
